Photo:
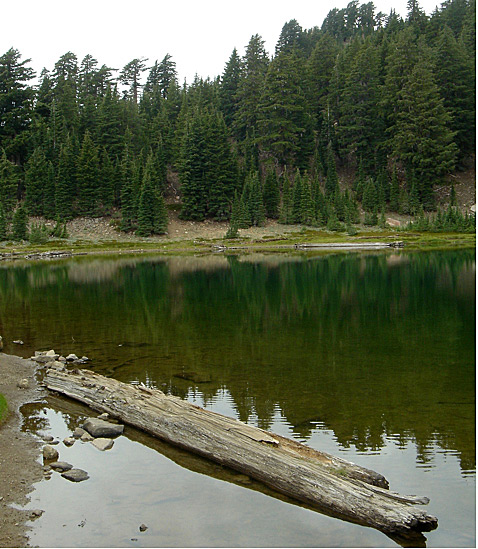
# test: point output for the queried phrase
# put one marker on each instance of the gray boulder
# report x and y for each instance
(61, 466)
(75, 475)
(100, 428)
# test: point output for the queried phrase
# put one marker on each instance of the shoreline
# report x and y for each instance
(19, 457)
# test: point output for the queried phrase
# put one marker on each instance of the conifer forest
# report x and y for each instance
(389, 99)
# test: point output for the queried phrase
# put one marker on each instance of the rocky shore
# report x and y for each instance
(20, 452)
(25, 459)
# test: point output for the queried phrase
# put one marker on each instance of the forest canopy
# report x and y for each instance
(390, 99)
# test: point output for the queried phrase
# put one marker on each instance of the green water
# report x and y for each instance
(371, 357)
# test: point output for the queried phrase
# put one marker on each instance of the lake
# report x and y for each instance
(370, 357)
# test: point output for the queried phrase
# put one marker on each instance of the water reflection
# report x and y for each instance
(368, 346)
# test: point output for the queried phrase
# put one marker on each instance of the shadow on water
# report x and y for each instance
(73, 414)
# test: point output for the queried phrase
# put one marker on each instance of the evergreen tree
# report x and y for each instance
(49, 193)
(254, 67)
(16, 103)
(271, 194)
(233, 230)
(307, 213)
(287, 205)
(394, 192)
(284, 125)
(3, 224)
(421, 138)
(229, 86)
(87, 178)
(8, 183)
(20, 222)
(332, 181)
(131, 76)
(36, 180)
(66, 182)
(370, 196)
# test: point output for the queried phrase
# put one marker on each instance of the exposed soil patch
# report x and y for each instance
(19, 451)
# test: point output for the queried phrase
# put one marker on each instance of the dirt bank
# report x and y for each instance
(19, 452)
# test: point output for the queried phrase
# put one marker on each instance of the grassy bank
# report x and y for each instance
(273, 242)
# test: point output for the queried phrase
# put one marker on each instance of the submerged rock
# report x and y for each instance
(100, 428)
(143, 527)
(75, 475)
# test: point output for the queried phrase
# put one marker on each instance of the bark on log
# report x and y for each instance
(327, 483)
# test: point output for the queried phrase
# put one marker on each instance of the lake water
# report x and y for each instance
(367, 356)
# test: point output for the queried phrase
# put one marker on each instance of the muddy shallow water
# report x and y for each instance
(370, 357)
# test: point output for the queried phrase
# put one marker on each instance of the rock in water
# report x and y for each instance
(75, 475)
(61, 466)
(69, 441)
(78, 432)
(102, 443)
(100, 428)
(50, 453)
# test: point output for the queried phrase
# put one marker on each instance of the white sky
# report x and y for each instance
(199, 35)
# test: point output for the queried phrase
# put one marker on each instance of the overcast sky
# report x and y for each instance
(199, 35)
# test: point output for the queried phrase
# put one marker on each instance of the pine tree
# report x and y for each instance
(36, 180)
(228, 88)
(271, 194)
(194, 187)
(394, 192)
(3, 224)
(65, 191)
(287, 205)
(332, 181)
(87, 177)
(297, 198)
(8, 183)
(16, 103)
(452, 195)
(307, 213)
(254, 67)
(421, 138)
(233, 230)
(370, 196)
(19, 225)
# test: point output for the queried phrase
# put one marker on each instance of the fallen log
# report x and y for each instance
(329, 484)
(350, 245)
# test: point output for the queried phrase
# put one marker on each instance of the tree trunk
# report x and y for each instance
(329, 484)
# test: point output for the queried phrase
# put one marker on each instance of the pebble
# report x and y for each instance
(69, 441)
(18, 341)
(143, 527)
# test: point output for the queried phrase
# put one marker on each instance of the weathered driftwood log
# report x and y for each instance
(327, 483)
(362, 245)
